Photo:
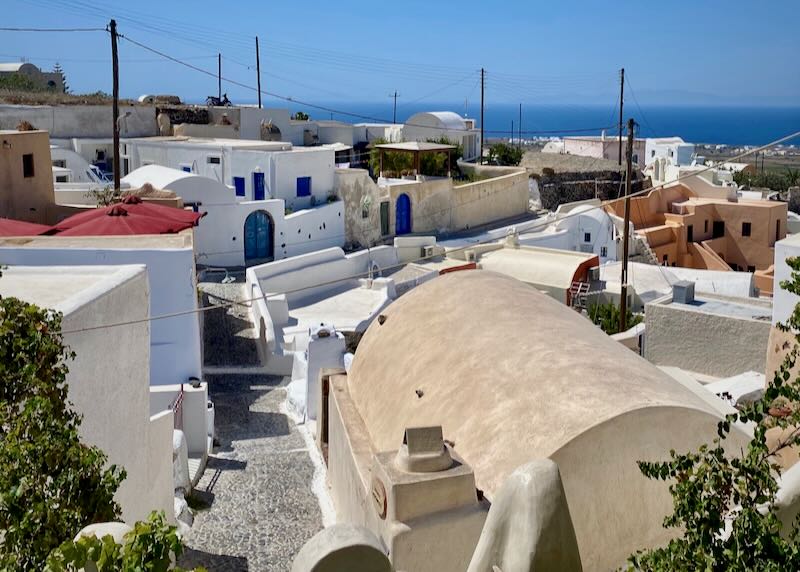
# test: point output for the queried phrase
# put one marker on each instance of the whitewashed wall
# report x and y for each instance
(174, 342)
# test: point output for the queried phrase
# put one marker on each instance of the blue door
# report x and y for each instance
(403, 215)
(258, 186)
(258, 245)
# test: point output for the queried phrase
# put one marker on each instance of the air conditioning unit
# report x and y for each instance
(427, 251)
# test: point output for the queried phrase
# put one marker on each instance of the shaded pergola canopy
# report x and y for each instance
(416, 149)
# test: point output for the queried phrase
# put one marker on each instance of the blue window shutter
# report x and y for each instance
(238, 184)
(303, 186)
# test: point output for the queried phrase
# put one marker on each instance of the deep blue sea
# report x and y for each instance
(722, 125)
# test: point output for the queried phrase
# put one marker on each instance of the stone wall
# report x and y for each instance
(90, 121)
(560, 188)
(182, 114)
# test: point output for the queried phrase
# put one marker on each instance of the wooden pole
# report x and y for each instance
(621, 103)
(219, 76)
(519, 141)
(483, 76)
(258, 72)
(115, 102)
(623, 301)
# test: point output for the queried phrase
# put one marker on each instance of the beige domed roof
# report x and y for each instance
(512, 375)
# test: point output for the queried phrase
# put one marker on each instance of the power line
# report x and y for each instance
(421, 258)
(53, 30)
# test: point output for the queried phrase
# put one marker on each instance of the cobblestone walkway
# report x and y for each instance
(258, 481)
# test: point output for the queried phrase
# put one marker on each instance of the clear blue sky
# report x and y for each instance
(686, 52)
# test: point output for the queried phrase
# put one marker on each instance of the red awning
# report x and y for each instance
(11, 227)
(118, 220)
(133, 205)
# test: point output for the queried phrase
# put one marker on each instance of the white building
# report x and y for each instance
(70, 167)
(257, 170)
(109, 378)
(175, 352)
(603, 147)
(237, 231)
(674, 149)
(437, 124)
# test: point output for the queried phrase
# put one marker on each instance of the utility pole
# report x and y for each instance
(623, 292)
(621, 103)
(219, 76)
(483, 77)
(519, 142)
(394, 108)
(115, 104)
(258, 73)
(512, 131)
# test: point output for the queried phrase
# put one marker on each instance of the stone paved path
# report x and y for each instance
(258, 481)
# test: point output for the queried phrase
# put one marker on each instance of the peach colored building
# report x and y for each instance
(715, 234)
(26, 176)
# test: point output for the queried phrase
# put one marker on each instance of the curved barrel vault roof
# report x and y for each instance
(512, 375)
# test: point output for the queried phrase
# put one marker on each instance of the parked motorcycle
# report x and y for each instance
(213, 101)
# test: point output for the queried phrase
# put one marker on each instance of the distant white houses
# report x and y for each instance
(600, 147)
(674, 149)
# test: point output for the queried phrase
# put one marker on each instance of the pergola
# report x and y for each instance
(416, 148)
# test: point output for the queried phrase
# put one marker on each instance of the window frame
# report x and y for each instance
(747, 228)
(28, 166)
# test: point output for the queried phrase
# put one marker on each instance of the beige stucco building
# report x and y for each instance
(377, 211)
(26, 176)
(716, 234)
(511, 376)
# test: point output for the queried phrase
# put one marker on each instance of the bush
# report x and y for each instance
(607, 317)
(504, 154)
(51, 484)
(724, 506)
(770, 180)
(149, 547)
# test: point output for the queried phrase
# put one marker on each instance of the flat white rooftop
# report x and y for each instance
(135, 241)
(732, 308)
(64, 288)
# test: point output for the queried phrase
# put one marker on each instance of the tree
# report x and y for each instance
(57, 69)
(18, 82)
(51, 484)
(504, 154)
(792, 177)
(300, 116)
(724, 505)
(395, 164)
(607, 317)
(769, 180)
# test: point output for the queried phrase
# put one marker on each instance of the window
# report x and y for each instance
(27, 165)
(665, 258)
(364, 211)
(745, 229)
(238, 184)
(719, 229)
(303, 186)
(690, 233)
(751, 269)
(211, 160)
(653, 153)
(384, 218)
(587, 237)
(777, 230)
(603, 251)
(705, 226)
(62, 179)
(186, 168)
(60, 163)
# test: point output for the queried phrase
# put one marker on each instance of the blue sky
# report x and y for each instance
(685, 52)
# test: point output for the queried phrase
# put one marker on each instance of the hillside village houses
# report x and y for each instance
(348, 273)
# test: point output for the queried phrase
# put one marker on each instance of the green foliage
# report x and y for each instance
(18, 82)
(300, 116)
(397, 164)
(504, 154)
(724, 501)
(51, 485)
(149, 547)
(58, 69)
(607, 317)
(773, 180)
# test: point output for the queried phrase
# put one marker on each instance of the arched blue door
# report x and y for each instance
(402, 223)
(258, 239)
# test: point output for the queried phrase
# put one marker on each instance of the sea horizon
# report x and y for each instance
(725, 124)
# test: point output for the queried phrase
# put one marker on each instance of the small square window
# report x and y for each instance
(746, 229)
(751, 269)
(364, 212)
(603, 251)
(214, 160)
(303, 186)
(27, 165)
(587, 237)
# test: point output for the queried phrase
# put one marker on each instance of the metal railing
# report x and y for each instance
(177, 410)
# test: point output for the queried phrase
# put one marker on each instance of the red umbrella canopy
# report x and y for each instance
(119, 221)
(11, 227)
(133, 205)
